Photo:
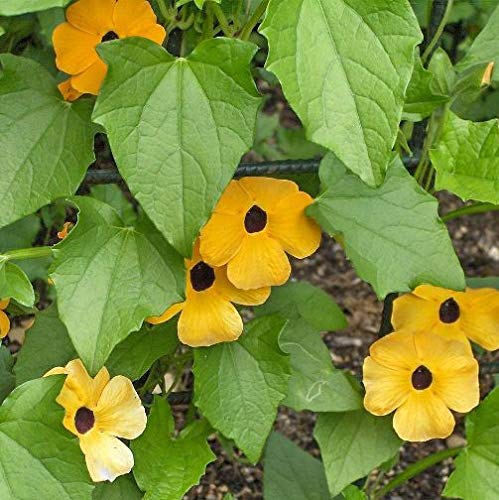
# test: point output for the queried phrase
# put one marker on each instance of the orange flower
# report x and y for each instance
(473, 314)
(255, 223)
(207, 316)
(4, 319)
(91, 22)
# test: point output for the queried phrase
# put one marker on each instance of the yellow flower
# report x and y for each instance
(207, 316)
(89, 23)
(66, 227)
(473, 314)
(255, 223)
(4, 319)
(420, 376)
(98, 411)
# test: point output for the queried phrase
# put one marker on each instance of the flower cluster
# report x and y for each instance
(426, 367)
(240, 254)
(99, 410)
(89, 23)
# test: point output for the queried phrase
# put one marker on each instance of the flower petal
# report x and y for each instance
(267, 192)
(106, 456)
(92, 16)
(167, 315)
(386, 389)
(4, 325)
(90, 81)
(422, 417)
(119, 411)
(75, 49)
(260, 262)
(221, 238)
(396, 351)
(435, 293)
(69, 93)
(136, 18)
(244, 297)
(234, 200)
(208, 319)
(415, 313)
(4, 303)
(298, 234)
(154, 32)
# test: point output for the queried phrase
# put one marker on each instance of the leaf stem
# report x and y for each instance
(222, 19)
(438, 33)
(28, 253)
(476, 208)
(415, 469)
(253, 20)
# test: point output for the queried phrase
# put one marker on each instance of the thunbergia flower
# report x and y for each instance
(422, 377)
(98, 411)
(472, 314)
(208, 315)
(255, 223)
(89, 23)
(4, 319)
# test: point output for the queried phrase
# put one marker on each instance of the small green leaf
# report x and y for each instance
(109, 278)
(489, 282)
(34, 441)
(466, 159)
(113, 195)
(14, 284)
(7, 378)
(477, 466)
(178, 126)
(239, 385)
(421, 98)
(291, 473)
(392, 234)
(46, 143)
(443, 72)
(47, 345)
(352, 444)
(165, 468)
(16, 7)
(135, 355)
(351, 492)
(122, 488)
(345, 78)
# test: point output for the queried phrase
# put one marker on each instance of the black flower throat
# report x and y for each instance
(202, 276)
(110, 35)
(84, 420)
(255, 219)
(449, 311)
(421, 378)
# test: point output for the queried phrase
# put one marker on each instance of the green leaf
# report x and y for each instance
(421, 100)
(135, 355)
(113, 195)
(291, 473)
(46, 143)
(178, 126)
(165, 468)
(489, 282)
(392, 234)
(109, 278)
(351, 492)
(352, 444)
(466, 159)
(122, 488)
(443, 72)
(314, 384)
(15, 284)
(34, 442)
(476, 472)
(47, 345)
(239, 385)
(7, 378)
(16, 7)
(345, 78)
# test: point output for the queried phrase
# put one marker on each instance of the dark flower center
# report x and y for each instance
(449, 311)
(202, 276)
(421, 378)
(255, 219)
(110, 35)
(84, 420)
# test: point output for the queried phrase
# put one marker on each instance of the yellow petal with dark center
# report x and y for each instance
(386, 389)
(75, 49)
(208, 319)
(134, 18)
(4, 325)
(119, 411)
(260, 262)
(106, 456)
(167, 315)
(221, 238)
(244, 297)
(92, 16)
(396, 351)
(414, 313)
(90, 81)
(422, 417)
(298, 234)
(267, 192)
